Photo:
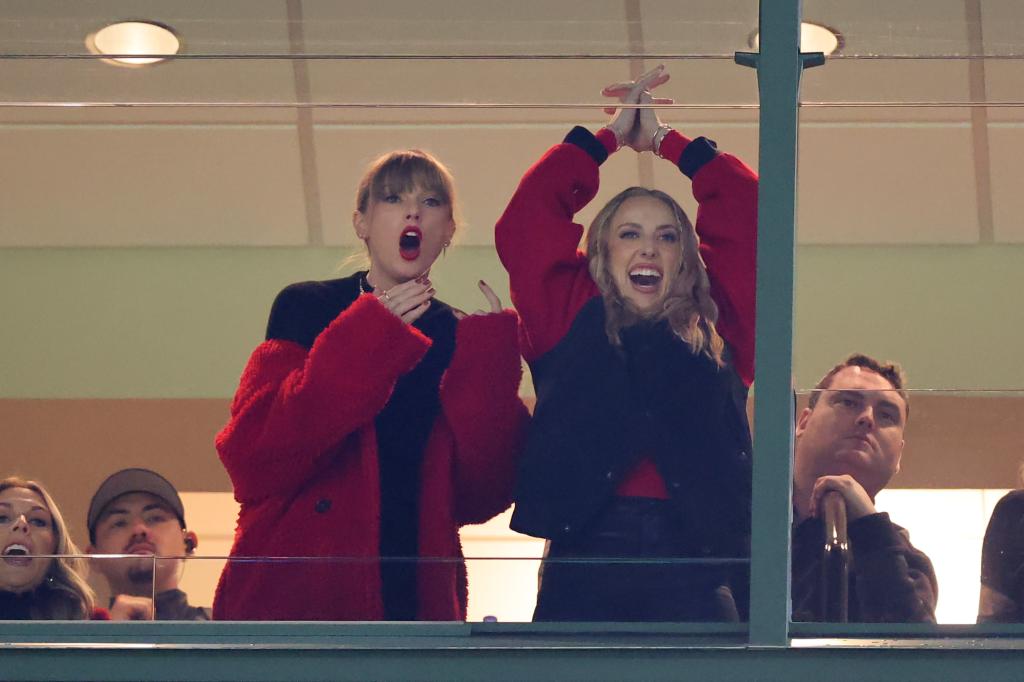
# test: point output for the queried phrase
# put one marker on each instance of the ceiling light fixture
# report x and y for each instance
(813, 38)
(125, 38)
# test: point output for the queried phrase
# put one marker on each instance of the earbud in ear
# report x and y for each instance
(190, 545)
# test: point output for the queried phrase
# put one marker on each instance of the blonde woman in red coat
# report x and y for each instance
(372, 423)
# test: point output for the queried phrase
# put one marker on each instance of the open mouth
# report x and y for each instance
(16, 555)
(409, 243)
(645, 278)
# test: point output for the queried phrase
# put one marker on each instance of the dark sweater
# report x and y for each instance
(890, 580)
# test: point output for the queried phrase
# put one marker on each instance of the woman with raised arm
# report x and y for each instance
(371, 424)
(641, 358)
(43, 588)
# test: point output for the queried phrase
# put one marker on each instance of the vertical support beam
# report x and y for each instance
(778, 75)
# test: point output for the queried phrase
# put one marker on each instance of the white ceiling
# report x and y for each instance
(216, 152)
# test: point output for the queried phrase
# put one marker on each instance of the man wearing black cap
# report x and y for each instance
(138, 511)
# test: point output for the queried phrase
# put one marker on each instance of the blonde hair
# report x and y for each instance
(395, 173)
(68, 596)
(688, 307)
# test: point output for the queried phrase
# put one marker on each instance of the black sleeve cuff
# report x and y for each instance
(585, 140)
(697, 153)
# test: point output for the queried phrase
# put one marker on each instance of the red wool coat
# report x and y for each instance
(300, 449)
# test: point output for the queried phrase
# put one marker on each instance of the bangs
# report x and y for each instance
(405, 173)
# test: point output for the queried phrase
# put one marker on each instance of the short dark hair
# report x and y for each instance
(890, 371)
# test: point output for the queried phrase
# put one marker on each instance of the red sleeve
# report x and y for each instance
(293, 406)
(99, 613)
(538, 243)
(726, 193)
(480, 399)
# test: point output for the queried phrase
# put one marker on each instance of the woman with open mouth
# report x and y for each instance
(636, 468)
(34, 587)
(371, 424)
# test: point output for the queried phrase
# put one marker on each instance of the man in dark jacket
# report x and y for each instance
(849, 439)
(139, 512)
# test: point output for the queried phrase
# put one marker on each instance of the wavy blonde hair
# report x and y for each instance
(67, 595)
(688, 306)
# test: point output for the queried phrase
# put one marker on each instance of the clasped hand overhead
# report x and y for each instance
(637, 127)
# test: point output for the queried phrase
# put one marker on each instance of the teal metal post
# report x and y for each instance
(778, 76)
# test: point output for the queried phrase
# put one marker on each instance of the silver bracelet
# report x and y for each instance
(659, 137)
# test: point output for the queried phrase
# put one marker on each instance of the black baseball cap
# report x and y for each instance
(133, 481)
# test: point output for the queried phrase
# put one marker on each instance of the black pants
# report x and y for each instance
(649, 587)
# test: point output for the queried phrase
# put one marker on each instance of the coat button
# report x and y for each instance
(566, 528)
(705, 550)
(610, 475)
(676, 485)
(743, 456)
(323, 506)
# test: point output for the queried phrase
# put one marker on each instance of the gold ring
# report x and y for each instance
(387, 296)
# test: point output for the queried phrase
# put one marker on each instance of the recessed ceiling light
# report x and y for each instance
(813, 38)
(134, 37)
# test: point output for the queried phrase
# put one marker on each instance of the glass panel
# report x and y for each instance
(500, 588)
(908, 205)
(159, 210)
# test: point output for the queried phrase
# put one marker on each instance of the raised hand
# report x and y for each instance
(491, 297)
(408, 300)
(635, 127)
(647, 81)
